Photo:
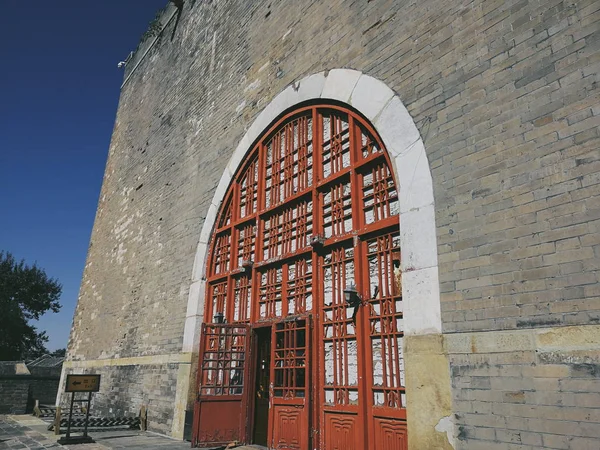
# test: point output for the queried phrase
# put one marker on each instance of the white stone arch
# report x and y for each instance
(378, 103)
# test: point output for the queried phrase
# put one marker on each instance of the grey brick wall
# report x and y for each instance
(519, 399)
(124, 389)
(44, 389)
(19, 392)
(505, 94)
(14, 394)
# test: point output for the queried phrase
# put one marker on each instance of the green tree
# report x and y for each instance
(59, 352)
(26, 292)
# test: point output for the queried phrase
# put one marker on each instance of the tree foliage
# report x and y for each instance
(59, 352)
(26, 292)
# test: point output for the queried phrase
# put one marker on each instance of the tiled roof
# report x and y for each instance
(46, 361)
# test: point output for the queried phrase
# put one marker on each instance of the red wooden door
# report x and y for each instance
(220, 411)
(362, 371)
(382, 325)
(290, 385)
(342, 415)
(313, 209)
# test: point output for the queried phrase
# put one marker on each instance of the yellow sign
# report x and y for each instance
(83, 383)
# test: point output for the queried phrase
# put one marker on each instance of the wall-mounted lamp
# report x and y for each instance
(247, 265)
(353, 300)
(352, 296)
(219, 317)
(317, 240)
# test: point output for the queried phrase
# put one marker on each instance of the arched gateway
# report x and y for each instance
(302, 341)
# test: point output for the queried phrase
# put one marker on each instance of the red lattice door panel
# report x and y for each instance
(342, 412)
(290, 385)
(383, 320)
(220, 410)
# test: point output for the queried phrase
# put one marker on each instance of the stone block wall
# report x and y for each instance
(14, 394)
(21, 386)
(505, 96)
(517, 176)
(125, 388)
(44, 383)
(536, 388)
(44, 389)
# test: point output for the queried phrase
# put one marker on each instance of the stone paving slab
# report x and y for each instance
(31, 433)
(13, 435)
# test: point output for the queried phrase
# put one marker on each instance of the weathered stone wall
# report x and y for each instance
(44, 383)
(505, 96)
(21, 386)
(18, 393)
(124, 388)
(517, 173)
(535, 388)
(44, 389)
(14, 394)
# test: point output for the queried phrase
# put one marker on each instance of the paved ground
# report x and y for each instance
(16, 436)
(31, 433)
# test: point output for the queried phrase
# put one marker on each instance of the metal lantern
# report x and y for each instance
(351, 296)
(219, 317)
(247, 265)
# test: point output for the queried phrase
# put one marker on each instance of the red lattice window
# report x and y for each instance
(299, 287)
(289, 359)
(337, 209)
(224, 357)
(270, 297)
(222, 253)
(248, 188)
(218, 298)
(287, 198)
(336, 142)
(379, 193)
(289, 161)
(386, 320)
(288, 230)
(225, 215)
(242, 295)
(340, 355)
(246, 244)
(368, 145)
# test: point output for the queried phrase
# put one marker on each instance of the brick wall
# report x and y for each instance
(524, 390)
(124, 389)
(44, 389)
(19, 392)
(504, 94)
(14, 394)
(515, 162)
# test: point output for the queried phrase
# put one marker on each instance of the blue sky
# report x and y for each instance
(59, 90)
